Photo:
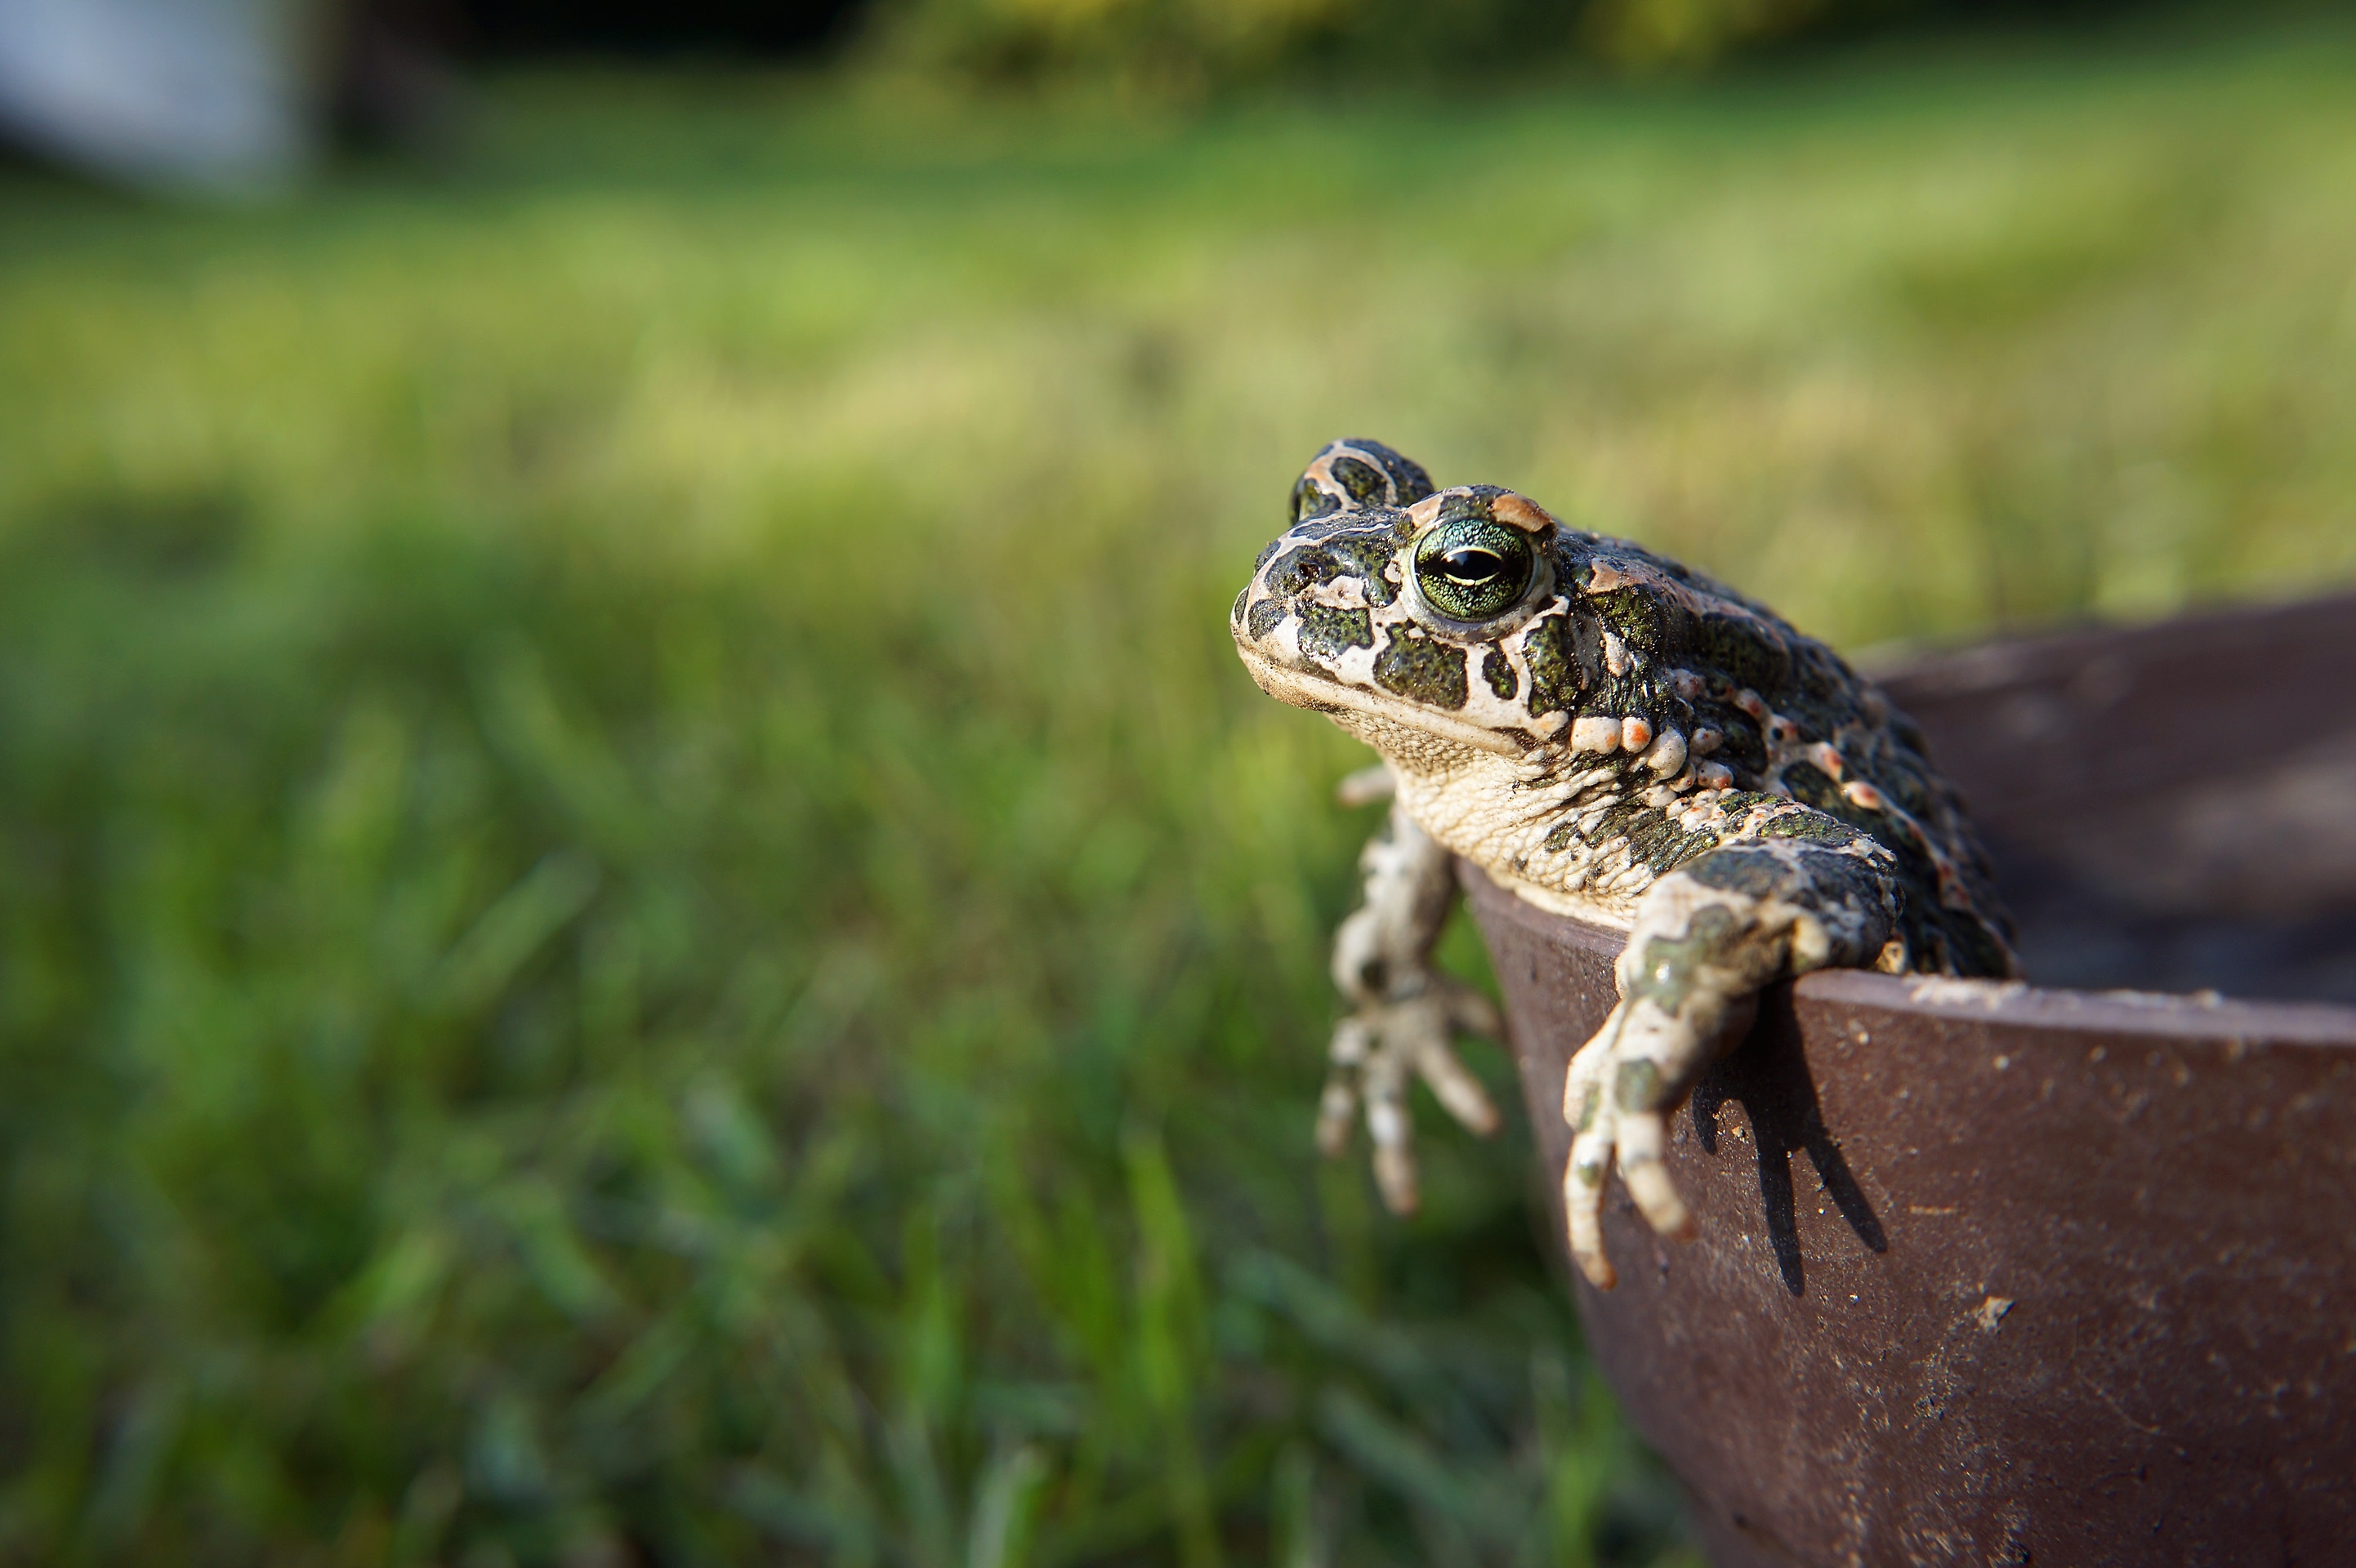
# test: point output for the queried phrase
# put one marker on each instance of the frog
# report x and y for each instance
(1612, 736)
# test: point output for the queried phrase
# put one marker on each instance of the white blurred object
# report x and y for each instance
(208, 94)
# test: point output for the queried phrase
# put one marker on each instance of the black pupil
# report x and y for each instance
(1471, 565)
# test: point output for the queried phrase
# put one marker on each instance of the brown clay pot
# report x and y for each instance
(2048, 1272)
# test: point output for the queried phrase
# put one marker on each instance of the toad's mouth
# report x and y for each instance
(1304, 686)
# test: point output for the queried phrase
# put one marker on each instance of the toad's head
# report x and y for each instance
(1391, 606)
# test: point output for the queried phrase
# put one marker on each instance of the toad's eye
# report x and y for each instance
(1309, 501)
(1471, 568)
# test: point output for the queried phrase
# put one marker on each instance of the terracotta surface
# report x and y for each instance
(2008, 1275)
(2169, 807)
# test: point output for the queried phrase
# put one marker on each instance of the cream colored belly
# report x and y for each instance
(1479, 817)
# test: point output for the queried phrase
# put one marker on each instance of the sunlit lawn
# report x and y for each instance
(646, 917)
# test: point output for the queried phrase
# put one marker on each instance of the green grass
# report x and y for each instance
(646, 914)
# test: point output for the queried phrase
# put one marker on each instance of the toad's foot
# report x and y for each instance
(1404, 1017)
(1375, 1051)
(1622, 1088)
(1706, 938)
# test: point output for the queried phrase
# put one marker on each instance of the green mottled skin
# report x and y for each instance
(1698, 629)
(1624, 740)
(1413, 665)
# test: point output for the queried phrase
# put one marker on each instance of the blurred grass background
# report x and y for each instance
(648, 918)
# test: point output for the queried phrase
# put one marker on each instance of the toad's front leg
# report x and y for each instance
(1706, 937)
(1404, 1017)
